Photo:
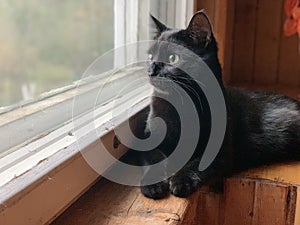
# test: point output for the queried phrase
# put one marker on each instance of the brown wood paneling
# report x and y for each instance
(244, 40)
(239, 196)
(224, 18)
(210, 8)
(272, 204)
(297, 210)
(252, 46)
(112, 204)
(246, 201)
(289, 61)
(210, 209)
(267, 42)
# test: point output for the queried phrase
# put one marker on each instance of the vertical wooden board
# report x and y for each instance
(224, 18)
(209, 209)
(239, 196)
(297, 211)
(244, 41)
(271, 204)
(289, 61)
(209, 7)
(267, 41)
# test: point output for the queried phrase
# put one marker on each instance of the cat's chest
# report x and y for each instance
(163, 109)
(166, 113)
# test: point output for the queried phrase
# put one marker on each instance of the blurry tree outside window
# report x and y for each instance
(48, 44)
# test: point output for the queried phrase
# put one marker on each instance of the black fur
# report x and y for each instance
(262, 127)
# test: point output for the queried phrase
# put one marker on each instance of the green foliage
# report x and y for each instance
(50, 43)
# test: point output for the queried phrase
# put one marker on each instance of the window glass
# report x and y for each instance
(48, 44)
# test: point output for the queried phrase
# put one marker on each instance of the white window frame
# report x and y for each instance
(42, 164)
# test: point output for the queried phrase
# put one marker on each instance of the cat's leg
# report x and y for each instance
(189, 178)
(156, 190)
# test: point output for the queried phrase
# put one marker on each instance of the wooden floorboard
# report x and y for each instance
(110, 203)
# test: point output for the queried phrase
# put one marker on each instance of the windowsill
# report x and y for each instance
(48, 173)
(268, 195)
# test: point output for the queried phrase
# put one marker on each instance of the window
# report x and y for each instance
(46, 48)
(48, 44)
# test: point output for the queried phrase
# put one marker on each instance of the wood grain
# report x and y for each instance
(271, 204)
(210, 8)
(244, 41)
(267, 44)
(239, 197)
(297, 210)
(247, 201)
(210, 209)
(289, 61)
(110, 203)
(224, 18)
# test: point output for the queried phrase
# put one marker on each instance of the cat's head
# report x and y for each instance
(165, 59)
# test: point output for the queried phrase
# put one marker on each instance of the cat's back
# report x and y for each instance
(262, 104)
(265, 124)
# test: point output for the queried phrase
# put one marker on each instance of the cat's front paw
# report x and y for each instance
(156, 191)
(183, 186)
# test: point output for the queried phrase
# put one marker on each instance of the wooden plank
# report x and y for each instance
(110, 203)
(267, 41)
(272, 204)
(284, 173)
(209, 7)
(289, 62)
(244, 41)
(245, 201)
(221, 14)
(210, 209)
(224, 18)
(58, 188)
(297, 211)
(49, 196)
(239, 196)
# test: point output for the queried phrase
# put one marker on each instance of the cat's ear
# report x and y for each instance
(159, 26)
(200, 28)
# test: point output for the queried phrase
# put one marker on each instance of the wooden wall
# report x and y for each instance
(253, 49)
(249, 202)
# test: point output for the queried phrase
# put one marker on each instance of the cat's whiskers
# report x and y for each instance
(190, 89)
(191, 79)
(175, 89)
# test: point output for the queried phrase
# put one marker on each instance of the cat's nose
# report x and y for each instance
(153, 69)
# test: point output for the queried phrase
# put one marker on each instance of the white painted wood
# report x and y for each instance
(180, 18)
(66, 145)
(132, 10)
(24, 158)
(54, 112)
(143, 20)
(171, 12)
(120, 32)
(189, 11)
(174, 13)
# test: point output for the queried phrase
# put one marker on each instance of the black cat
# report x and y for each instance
(262, 127)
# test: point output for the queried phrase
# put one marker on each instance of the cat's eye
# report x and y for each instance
(150, 57)
(173, 58)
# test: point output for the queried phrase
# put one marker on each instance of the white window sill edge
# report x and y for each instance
(39, 187)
